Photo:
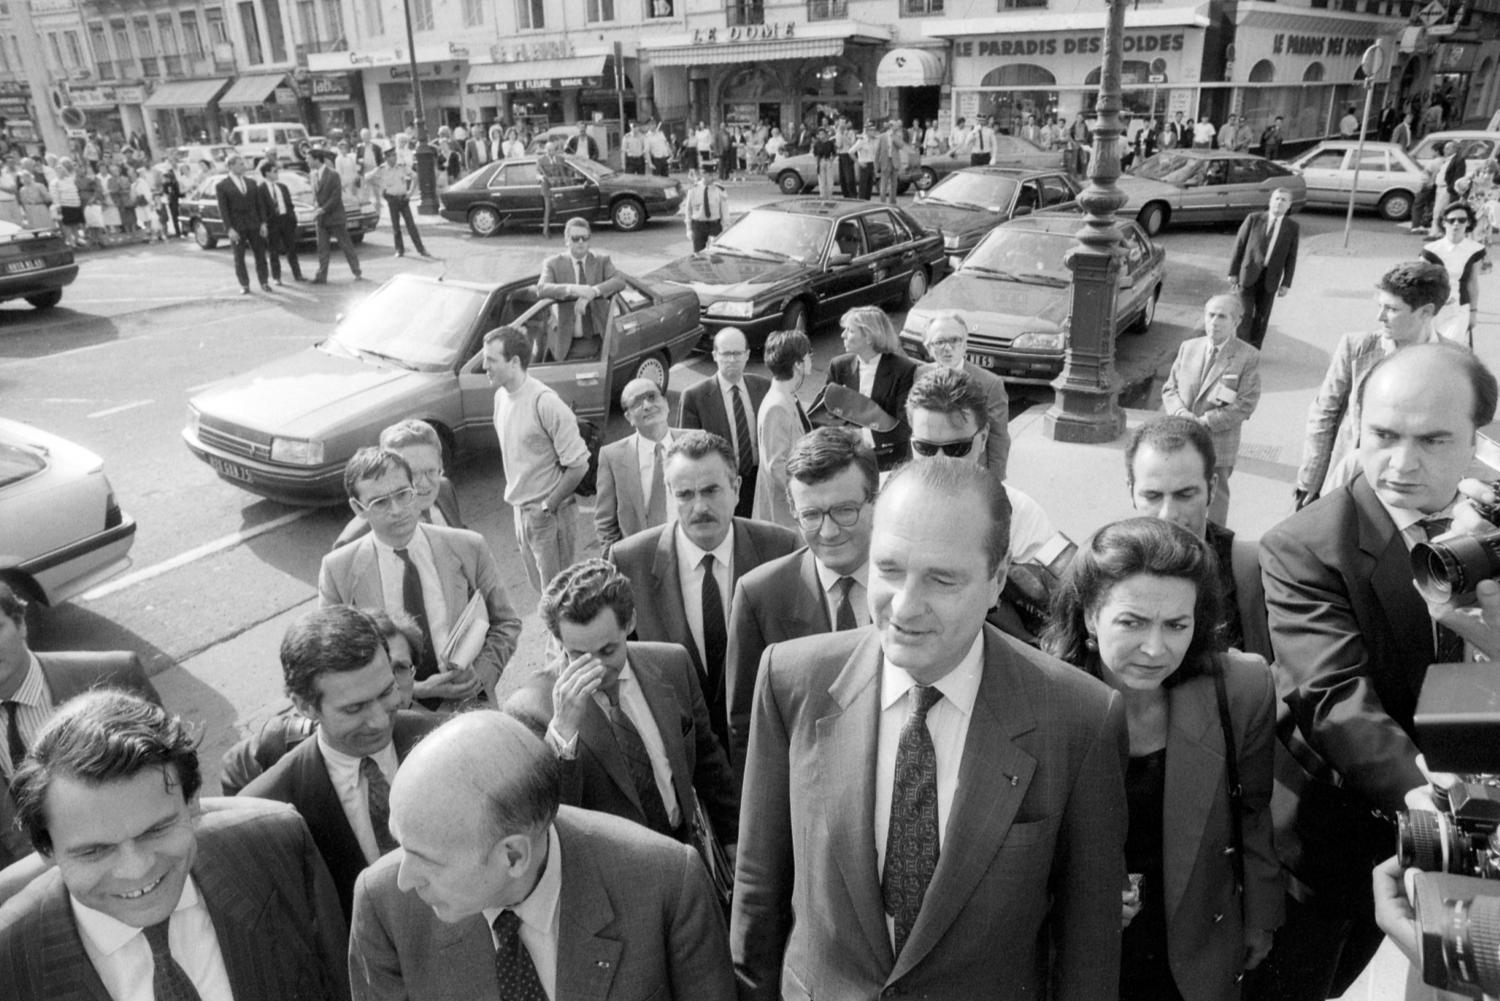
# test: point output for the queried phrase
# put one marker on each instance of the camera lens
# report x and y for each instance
(1428, 841)
(1471, 942)
(1450, 569)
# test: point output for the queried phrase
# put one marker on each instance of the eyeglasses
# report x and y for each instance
(649, 396)
(946, 342)
(1457, 220)
(391, 501)
(952, 449)
(579, 239)
(843, 515)
(426, 475)
(731, 354)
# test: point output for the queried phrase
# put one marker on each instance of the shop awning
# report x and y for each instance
(1193, 15)
(185, 93)
(909, 68)
(747, 52)
(253, 89)
(542, 74)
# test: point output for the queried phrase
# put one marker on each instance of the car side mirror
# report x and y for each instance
(839, 257)
(1023, 210)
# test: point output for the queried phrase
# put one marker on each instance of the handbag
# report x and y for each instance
(93, 216)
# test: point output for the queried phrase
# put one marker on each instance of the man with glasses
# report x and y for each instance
(947, 341)
(633, 493)
(820, 588)
(726, 405)
(580, 282)
(437, 502)
(428, 572)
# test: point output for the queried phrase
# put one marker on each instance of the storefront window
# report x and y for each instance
(832, 89)
(1313, 73)
(1263, 72)
(750, 95)
(1010, 108)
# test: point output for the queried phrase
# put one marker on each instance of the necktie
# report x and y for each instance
(378, 796)
(845, 618)
(714, 628)
(802, 418)
(638, 763)
(911, 846)
(1450, 645)
(742, 431)
(513, 965)
(13, 736)
(656, 503)
(411, 599)
(578, 267)
(1275, 229)
(170, 982)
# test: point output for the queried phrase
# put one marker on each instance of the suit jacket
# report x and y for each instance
(777, 428)
(703, 406)
(559, 272)
(351, 576)
(1033, 851)
(328, 195)
(240, 212)
(446, 503)
(997, 445)
(301, 779)
(620, 507)
(281, 227)
(1254, 263)
(1192, 386)
(894, 375)
(1333, 415)
(637, 919)
(597, 777)
(270, 897)
(649, 559)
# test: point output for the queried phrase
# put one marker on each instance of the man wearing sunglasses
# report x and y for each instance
(946, 341)
(633, 493)
(581, 282)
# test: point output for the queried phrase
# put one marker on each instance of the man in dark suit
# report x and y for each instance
(281, 221)
(581, 282)
(149, 899)
(931, 808)
(627, 720)
(632, 471)
(240, 209)
(1264, 260)
(338, 674)
(1353, 641)
(877, 367)
(822, 587)
(418, 443)
(331, 222)
(726, 405)
(552, 173)
(497, 892)
(685, 571)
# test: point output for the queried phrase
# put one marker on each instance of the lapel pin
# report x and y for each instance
(603, 964)
(1013, 779)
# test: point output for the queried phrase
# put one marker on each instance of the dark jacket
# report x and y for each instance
(241, 212)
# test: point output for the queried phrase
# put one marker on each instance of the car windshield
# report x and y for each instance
(1023, 255)
(410, 323)
(973, 191)
(776, 236)
(1173, 168)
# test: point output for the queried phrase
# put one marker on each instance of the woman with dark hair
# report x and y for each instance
(1138, 609)
(1461, 255)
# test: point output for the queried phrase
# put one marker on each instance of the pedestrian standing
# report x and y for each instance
(395, 183)
(826, 158)
(705, 209)
(328, 213)
(1263, 263)
(67, 202)
(140, 199)
(865, 150)
(171, 189)
(1271, 139)
(240, 208)
(633, 148)
(1401, 134)
(887, 158)
(281, 222)
(660, 149)
(844, 138)
(1451, 186)
(552, 173)
(982, 142)
(36, 202)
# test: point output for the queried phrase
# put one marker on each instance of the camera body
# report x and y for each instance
(1448, 568)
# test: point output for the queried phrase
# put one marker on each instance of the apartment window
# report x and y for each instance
(75, 49)
(218, 31)
(473, 13)
(167, 32)
(374, 18)
(532, 14)
(252, 34)
(123, 52)
(421, 15)
(275, 31)
(660, 8)
(4, 60)
(15, 48)
(307, 24)
(143, 40)
(100, 42)
(601, 10)
(742, 12)
(922, 8)
(54, 53)
(827, 10)
(1021, 4)
(333, 19)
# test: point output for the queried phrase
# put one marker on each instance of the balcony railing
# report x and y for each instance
(921, 8)
(737, 15)
(827, 10)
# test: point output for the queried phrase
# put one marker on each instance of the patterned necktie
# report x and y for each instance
(742, 431)
(715, 631)
(1449, 645)
(513, 965)
(13, 740)
(170, 982)
(845, 618)
(638, 763)
(411, 599)
(911, 846)
(378, 797)
(656, 504)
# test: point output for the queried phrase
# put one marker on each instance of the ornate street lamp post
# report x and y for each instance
(1086, 407)
(426, 156)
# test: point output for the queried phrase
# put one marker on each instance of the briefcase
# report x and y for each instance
(715, 858)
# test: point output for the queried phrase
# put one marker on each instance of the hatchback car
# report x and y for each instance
(970, 202)
(1389, 179)
(61, 530)
(35, 265)
(414, 348)
(796, 265)
(1015, 295)
(1009, 151)
(201, 207)
(509, 193)
(1201, 185)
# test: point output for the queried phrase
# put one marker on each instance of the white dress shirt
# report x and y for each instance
(690, 573)
(33, 710)
(1030, 528)
(122, 956)
(867, 371)
(645, 452)
(749, 403)
(354, 792)
(539, 914)
(392, 571)
(858, 594)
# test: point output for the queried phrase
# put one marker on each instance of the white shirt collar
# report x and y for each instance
(959, 686)
(108, 934)
(417, 543)
(348, 764)
(1405, 517)
(828, 578)
(694, 554)
(32, 691)
(540, 908)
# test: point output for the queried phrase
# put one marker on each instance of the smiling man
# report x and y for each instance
(633, 493)
(149, 899)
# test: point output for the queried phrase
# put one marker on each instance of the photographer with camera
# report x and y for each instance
(1353, 641)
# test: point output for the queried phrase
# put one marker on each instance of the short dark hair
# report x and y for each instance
(783, 350)
(824, 453)
(1169, 434)
(949, 391)
(1481, 379)
(12, 605)
(394, 624)
(265, 167)
(371, 463)
(410, 432)
(1466, 209)
(1417, 283)
(582, 591)
(951, 478)
(701, 444)
(1121, 550)
(104, 735)
(514, 342)
(335, 639)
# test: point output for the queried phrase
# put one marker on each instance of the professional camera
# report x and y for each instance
(1458, 925)
(1448, 568)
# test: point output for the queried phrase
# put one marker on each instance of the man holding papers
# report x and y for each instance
(430, 573)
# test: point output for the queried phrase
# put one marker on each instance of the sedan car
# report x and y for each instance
(1203, 185)
(201, 207)
(1010, 151)
(796, 265)
(414, 348)
(967, 204)
(1015, 294)
(1388, 179)
(61, 531)
(509, 193)
(35, 265)
(1476, 146)
(797, 172)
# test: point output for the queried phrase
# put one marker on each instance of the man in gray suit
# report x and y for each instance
(330, 221)
(633, 492)
(418, 443)
(497, 892)
(430, 573)
(581, 281)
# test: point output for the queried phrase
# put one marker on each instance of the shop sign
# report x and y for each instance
(1320, 45)
(284, 95)
(543, 83)
(745, 33)
(106, 97)
(1088, 45)
(332, 61)
(530, 52)
(424, 69)
(334, 87)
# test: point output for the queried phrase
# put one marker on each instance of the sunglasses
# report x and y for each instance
(952, 449)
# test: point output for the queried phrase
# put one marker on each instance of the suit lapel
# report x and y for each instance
(1195, 764)
(669, 590)
(668, 719)
(1220, 365)
(465, 952)
(586, 958)
(629, 480)
(450, 568)
(322, 806)
(1390, 578)
(364, 575)
(65, 969)
(237, 916)
(811, 616)
(596, 733)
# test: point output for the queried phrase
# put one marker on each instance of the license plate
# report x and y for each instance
(983, 361)
(230, 469)
(34, 264)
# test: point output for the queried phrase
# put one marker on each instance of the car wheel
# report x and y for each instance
(655, 368)
(902, 187)
(1395, 206)
(484, 221)
(45, 300)
(795, 317)
(202, 237)
(916, 287)
(790, 182)
(628, 215)
(1148, 315)
(1152, 218)
(926, 178)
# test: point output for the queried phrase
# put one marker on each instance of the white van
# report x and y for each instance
(255, 140)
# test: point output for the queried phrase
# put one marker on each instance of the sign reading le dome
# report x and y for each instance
(909, 68)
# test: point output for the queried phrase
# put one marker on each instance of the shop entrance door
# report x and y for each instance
(919, 102)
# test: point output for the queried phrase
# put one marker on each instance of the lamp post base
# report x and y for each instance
(1085, 416)
(426, 163)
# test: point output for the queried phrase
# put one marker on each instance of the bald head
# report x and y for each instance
(945, 340)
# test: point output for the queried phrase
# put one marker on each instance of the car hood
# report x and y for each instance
(308, 394)
(954, 220)
(716, 275)
(996, 307)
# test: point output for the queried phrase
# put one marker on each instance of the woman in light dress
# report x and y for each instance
(1462, 257)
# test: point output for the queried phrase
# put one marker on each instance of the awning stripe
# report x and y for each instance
(704, 55)
(185, 93)
(252, 89)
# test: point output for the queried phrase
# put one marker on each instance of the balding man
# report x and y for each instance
(947, 340)
(633, 493)
(497, 891)
(726, 404)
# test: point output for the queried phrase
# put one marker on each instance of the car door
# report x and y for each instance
(1057, 189)
(1203, 191)
(1135, 271)
(1245, 188)
(1322, 171)
(580, 196)
(1375, 176)
(888, 247)
(845, 281)
(516, 192)
(579, 381)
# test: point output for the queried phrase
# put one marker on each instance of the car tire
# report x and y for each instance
(795, 317)
(655, 367)
(202, 237)
(902, 187)
(1152, 217)
(45, 300)
(1148, 315)
(1395, 206)
(484, 220)
(916, 287)
(627, 215)
(926, 178)
(790, 182)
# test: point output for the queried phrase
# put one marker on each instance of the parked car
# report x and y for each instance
(201, 207)
(970, 202)
(414, 348)
(509, 193)
(1203, 185)
(1010, 151)
(1389, 179)
(797, 172)
(61, 530)
(1015, 295)
(35, 265)
(1476, 145)
(800, 264)
(211, 156)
